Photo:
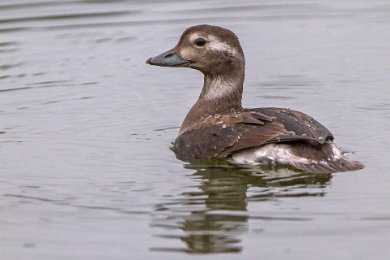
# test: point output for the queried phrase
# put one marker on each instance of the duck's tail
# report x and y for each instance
(325, 159)
(339, 165)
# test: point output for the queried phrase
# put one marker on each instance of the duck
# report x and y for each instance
(217, 127)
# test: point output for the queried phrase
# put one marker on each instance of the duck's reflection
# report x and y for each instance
(211, 216)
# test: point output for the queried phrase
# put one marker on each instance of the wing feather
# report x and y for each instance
(217, 136)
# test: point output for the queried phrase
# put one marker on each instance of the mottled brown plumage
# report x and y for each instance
(218, 136)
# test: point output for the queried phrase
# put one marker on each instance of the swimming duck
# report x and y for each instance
(218, 127)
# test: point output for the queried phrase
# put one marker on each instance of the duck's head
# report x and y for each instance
(213, 50)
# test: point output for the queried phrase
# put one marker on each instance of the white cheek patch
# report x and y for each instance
(216, 44)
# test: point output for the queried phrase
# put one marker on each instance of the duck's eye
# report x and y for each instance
(200, 42)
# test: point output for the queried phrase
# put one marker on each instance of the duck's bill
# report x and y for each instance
(168, 59)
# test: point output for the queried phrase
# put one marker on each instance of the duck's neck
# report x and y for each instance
(220, 94)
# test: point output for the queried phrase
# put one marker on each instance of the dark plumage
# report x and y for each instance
(217, 127)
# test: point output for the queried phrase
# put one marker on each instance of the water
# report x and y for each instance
(85, 129)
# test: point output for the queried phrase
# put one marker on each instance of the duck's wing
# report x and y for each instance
(218, 136)
(298, 124)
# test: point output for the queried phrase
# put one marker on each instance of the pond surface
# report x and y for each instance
(85, 129)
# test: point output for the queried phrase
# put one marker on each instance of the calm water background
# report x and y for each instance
(85, 130)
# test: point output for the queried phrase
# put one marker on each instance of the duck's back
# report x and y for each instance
(273, 136)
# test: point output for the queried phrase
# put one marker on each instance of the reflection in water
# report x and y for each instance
(212, 217)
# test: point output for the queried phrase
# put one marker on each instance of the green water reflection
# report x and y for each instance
(211, 218)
